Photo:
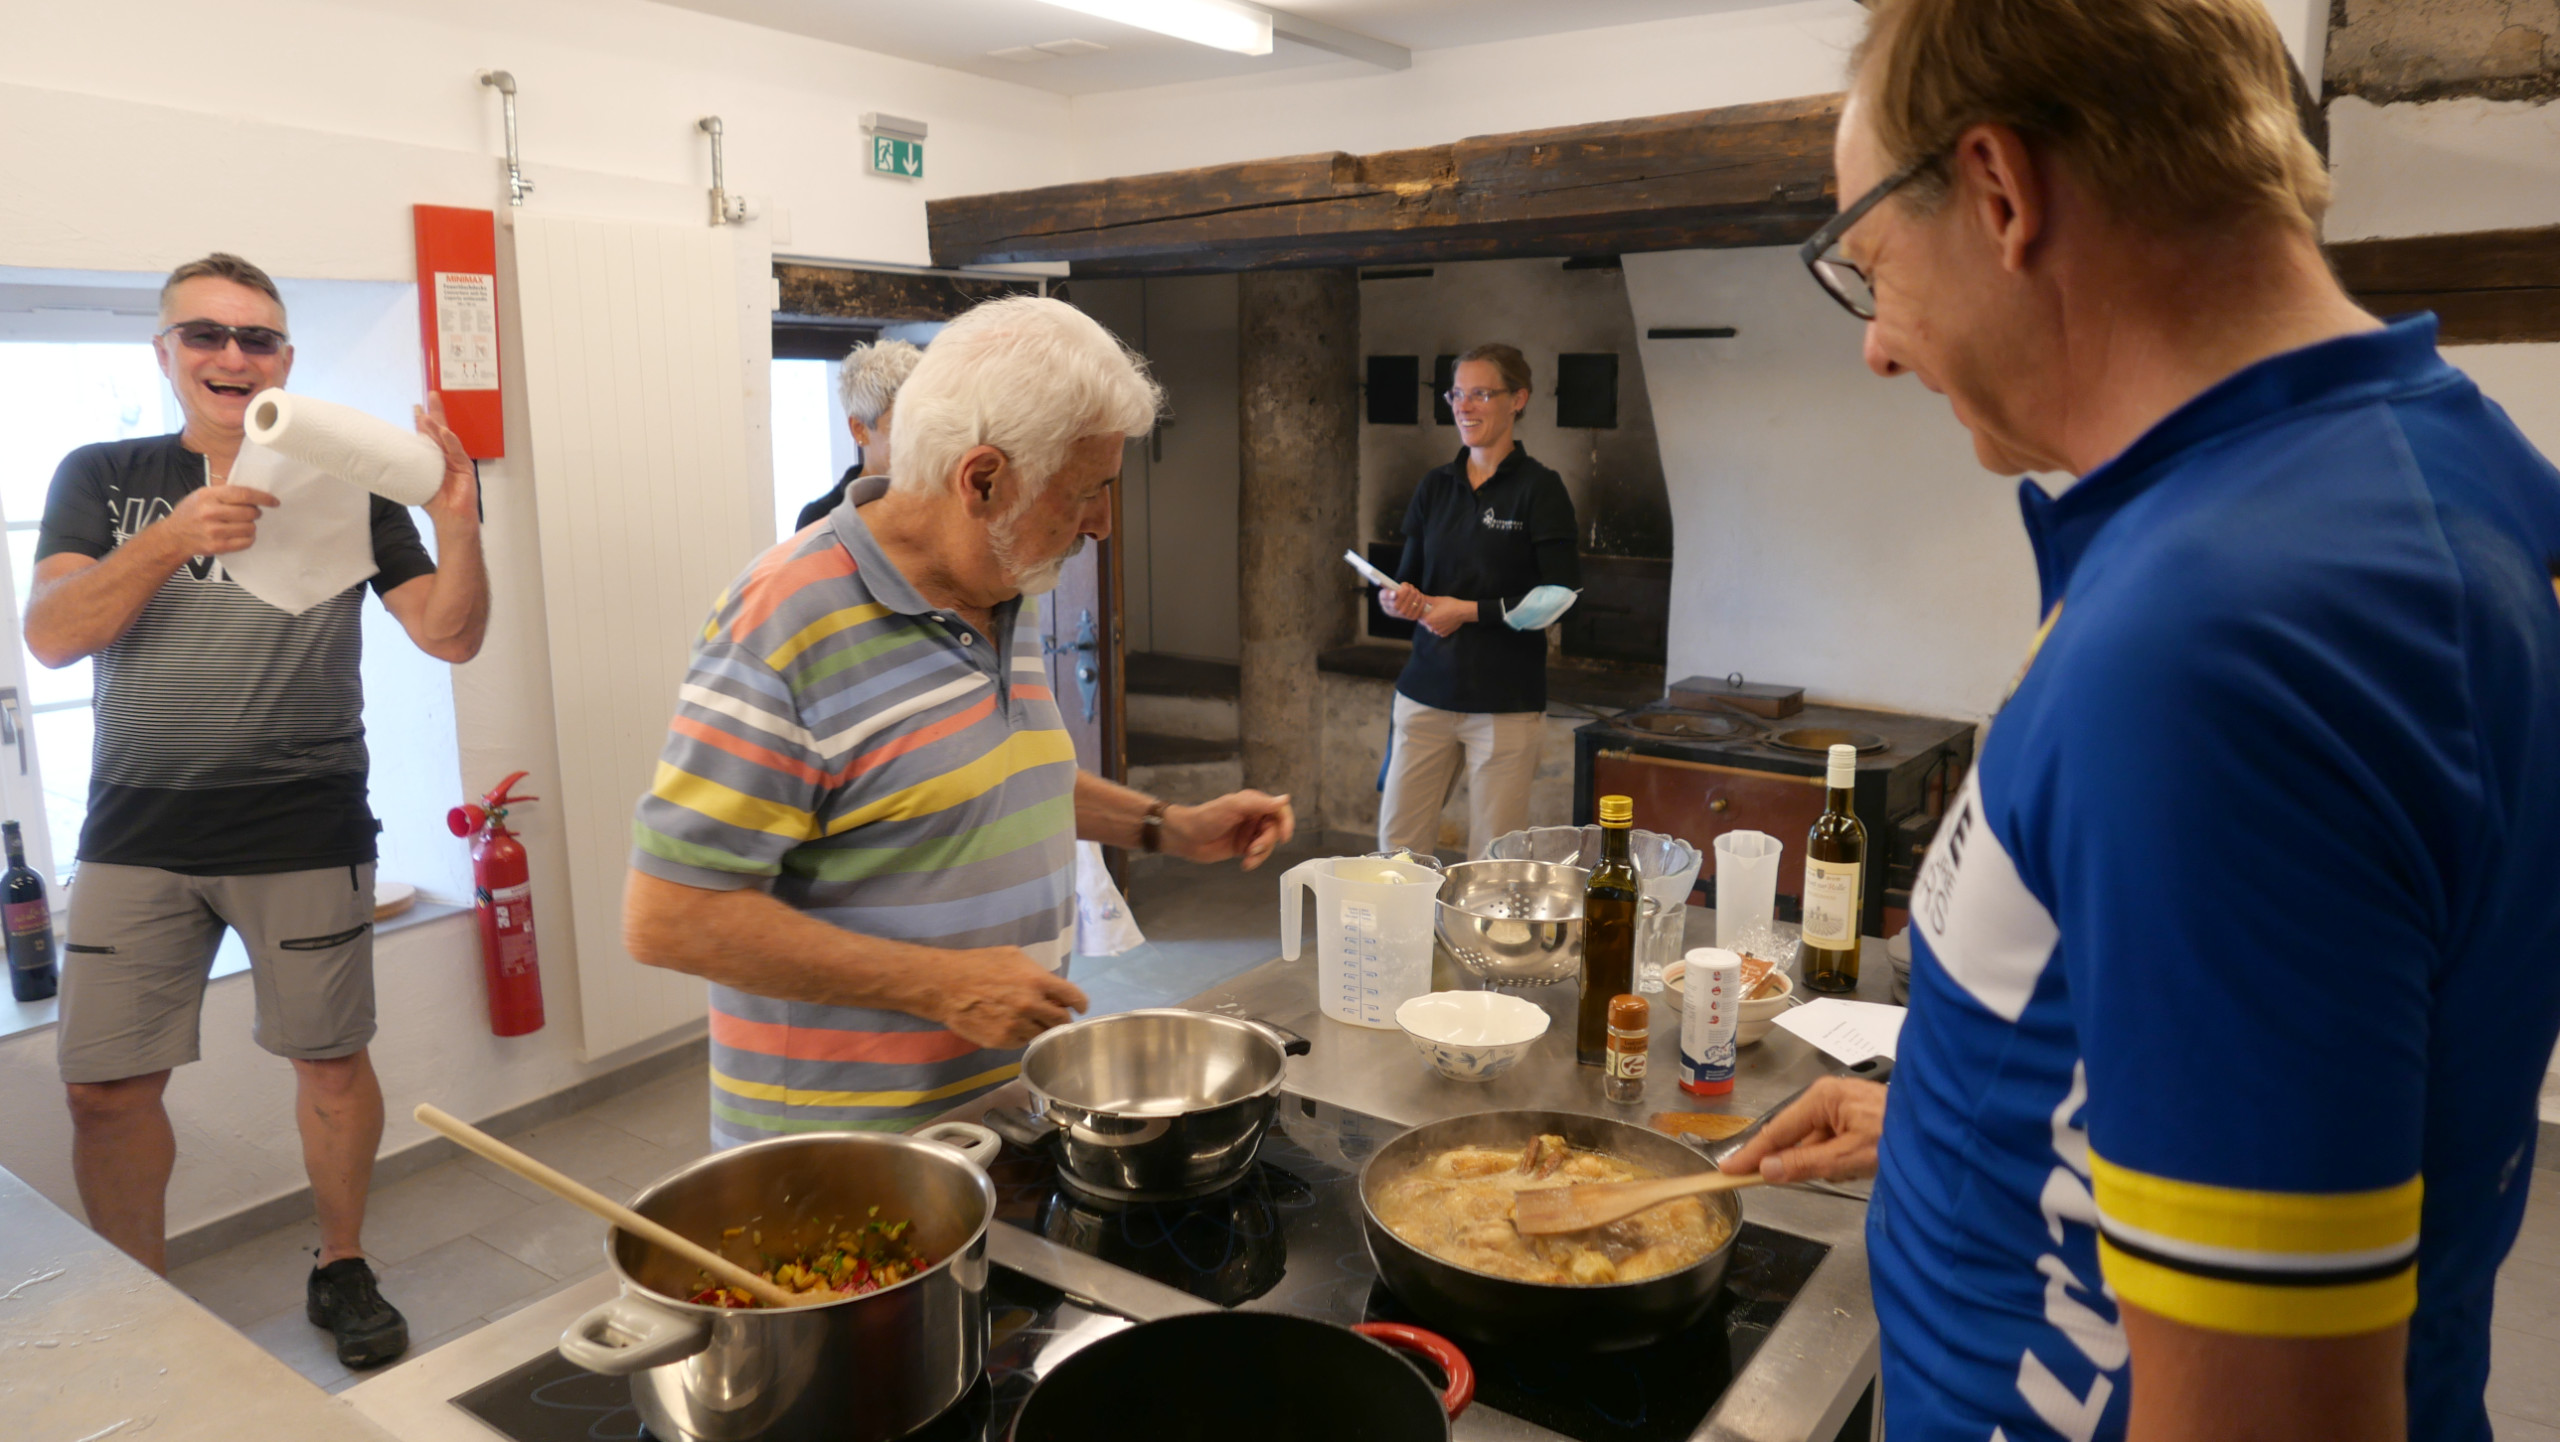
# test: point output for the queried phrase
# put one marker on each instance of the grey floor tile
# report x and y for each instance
(2539, 1239)
(2529, 1297)
(553, 1237)
(2516, 1429)
(599, 1154)
(489, 1171)
(453, 1286)
(290, 1338)
(2524, 1376)
(432, 1208)
(673, 1112)
(259, 1277)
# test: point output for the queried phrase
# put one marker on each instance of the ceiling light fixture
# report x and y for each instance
(1219, 24)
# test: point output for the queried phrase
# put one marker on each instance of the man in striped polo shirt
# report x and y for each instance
(862, 831)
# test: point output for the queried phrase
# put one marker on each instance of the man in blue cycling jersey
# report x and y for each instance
(2237, 961)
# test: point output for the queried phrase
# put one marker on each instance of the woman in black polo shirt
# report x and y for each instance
(1482, 533)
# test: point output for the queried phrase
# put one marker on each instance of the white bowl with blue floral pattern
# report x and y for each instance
(1472, 1036)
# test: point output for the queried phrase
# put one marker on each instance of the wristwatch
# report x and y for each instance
(1151, 827)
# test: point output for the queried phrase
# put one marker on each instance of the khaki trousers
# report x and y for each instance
(1499, 750)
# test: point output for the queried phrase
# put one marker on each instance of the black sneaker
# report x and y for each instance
(343, 1299)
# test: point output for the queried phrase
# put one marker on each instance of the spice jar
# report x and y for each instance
(1630, 1040)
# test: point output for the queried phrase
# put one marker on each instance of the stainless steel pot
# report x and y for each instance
(1152, 1104)
(862, 1369)
(1480, 1307)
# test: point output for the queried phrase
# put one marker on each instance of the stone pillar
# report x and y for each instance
(1298, 420)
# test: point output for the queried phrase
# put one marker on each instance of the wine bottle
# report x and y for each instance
(1609, 904)
(1835, 858)
(29, 921)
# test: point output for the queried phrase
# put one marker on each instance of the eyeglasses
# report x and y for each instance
(1838, 275)
(210, 336)
(1479, 395)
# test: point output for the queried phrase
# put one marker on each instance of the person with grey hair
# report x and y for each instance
(863, 826)
(867, 387)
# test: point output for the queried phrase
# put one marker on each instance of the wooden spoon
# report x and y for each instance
(559, 1184)
(1542, 1211)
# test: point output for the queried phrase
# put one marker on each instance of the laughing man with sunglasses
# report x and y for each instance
(228, 788)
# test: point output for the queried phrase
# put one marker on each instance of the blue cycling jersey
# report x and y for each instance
(2237, 961)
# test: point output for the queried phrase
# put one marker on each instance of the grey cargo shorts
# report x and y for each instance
(141, 942)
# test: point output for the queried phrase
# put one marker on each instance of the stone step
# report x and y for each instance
(1159, 673)
(1156, 748)
(1211, 718)
(1188, 783)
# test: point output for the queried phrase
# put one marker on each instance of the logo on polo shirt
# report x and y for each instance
(1493, 522)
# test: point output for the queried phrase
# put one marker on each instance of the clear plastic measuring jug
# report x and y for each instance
(1373, 933)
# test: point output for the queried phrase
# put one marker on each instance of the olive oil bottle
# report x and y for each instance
(1835, 864)
(1609, 905)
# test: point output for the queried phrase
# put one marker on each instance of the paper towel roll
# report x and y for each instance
(341, 441)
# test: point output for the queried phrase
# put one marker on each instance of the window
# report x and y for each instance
(60, 397)
(811, 446)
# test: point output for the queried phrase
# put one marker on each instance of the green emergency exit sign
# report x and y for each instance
(892, 156)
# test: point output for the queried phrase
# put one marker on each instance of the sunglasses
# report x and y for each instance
(210, 336)
(1479, 395)
(1838, 275)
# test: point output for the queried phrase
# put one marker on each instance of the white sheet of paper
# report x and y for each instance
(1850, 1031)
(316, 542)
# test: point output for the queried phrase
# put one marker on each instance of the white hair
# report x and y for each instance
(1027, 375)
(871, 376)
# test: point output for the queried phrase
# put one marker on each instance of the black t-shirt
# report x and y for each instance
(230, 735)
(1491, 544)
(824, 506)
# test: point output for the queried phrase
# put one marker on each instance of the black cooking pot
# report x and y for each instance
(1481, 1307)
(1249, 1377)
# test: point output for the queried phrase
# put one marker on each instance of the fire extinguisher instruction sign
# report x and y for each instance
(466, 331)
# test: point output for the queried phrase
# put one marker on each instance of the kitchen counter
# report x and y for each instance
(1799, 1387)
(93, 1346)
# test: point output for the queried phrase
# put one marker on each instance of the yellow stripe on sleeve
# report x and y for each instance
(792, 1096)
(731, 807)
(2230, 1225)
(1022, 751)
(2257, 1308)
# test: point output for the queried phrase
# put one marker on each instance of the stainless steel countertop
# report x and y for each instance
(93, 1346)
(1799, 1387)
(1805, 1378)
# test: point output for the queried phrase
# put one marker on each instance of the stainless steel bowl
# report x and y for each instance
(1153, 1104)
(1514, 922)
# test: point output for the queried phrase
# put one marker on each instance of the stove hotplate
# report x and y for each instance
(1030, 1326)
(1288, 1238)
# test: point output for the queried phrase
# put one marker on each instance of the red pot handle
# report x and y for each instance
(1443, 1353)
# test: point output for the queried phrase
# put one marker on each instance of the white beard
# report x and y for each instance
(1039, 579)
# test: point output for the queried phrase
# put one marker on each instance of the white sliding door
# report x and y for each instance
(650, 501)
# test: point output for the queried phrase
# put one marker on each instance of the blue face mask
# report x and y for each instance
(1541, 608)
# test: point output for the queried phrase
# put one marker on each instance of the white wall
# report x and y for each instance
(299, 135)
(1546, 311)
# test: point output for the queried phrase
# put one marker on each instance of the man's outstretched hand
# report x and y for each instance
(1249, 824)
(1829, 1135)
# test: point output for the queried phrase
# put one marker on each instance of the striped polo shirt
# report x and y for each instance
(878, 764)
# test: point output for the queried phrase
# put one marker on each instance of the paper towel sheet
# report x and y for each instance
(344, 442)
(315, 543)
(1103, 924)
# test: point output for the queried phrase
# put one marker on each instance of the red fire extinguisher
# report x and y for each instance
(501, 884)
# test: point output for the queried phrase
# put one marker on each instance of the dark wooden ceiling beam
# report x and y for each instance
(1744, 175)
(2486, 287)
(838, 293)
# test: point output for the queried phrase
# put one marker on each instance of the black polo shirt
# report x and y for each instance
(1491, 544)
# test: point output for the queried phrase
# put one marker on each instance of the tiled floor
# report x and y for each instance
(466, 1242)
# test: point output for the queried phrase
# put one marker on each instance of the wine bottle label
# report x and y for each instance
(29, 918)
(1831, 904)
